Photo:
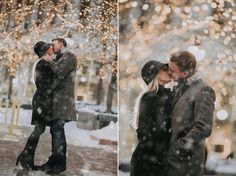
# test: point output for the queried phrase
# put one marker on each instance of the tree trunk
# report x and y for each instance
(28, 18)
(84, 10)
(105, 20)
(113, 84)
(10, 87)
(61, 9)
(3, 5)
(10, 21)
(111, 89)
(6, 74)
(100, 91)
(40, 15)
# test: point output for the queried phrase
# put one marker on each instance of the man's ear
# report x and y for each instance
(185, 74)
(61, 45)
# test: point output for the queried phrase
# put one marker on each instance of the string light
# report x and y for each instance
(17, 21)
(210, 20)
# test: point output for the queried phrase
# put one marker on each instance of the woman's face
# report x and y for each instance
(163, 75)
(50, 51)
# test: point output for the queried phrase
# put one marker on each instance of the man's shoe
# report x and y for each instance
(45, 167)
(36, 168)
(56, 169)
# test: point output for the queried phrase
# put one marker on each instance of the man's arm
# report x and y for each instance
(62, 67)
(203, 118)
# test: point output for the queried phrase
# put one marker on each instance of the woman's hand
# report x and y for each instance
(47, 57)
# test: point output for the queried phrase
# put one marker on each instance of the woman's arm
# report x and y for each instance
(145, 123)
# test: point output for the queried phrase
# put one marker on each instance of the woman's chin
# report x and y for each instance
(168, 81)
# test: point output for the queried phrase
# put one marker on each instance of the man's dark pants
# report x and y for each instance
(58, 156)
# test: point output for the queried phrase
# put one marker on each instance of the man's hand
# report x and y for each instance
(47, 57)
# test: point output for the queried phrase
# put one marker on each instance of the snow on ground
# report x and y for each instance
(92, 107)
(91, 173)
(74, 134)
(124, 173)
(214, 162)
(13, 171)
(109, 132)
(227, 167)
(77, 136)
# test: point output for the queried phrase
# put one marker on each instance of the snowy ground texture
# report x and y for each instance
(86, 155)
(223, 167)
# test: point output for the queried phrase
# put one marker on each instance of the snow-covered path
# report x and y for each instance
(74, 135)
(86, 156)
(81, 160)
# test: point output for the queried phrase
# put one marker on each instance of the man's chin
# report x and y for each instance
(174, 79)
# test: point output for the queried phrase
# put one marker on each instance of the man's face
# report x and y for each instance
(57, 46)
(175, 72)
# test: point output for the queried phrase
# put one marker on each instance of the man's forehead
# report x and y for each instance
(173, 66)
(55, 41)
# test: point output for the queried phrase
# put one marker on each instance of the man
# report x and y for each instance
(191, 117)
(63, 109)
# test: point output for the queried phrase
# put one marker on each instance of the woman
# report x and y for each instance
(153, 123)
(42, 105)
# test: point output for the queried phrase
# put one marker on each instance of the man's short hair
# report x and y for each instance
(185, 61)
(62, 40)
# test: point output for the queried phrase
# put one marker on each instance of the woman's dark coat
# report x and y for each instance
(153, 134)
(42, 99)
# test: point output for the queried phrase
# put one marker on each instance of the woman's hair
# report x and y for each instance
(153, 85)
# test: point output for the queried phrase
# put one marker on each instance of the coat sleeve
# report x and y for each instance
(203, 118)
(43, 81)
(63, 67)
(145, 126)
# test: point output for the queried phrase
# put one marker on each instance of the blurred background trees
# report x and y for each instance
(153, 29)
(90, 28)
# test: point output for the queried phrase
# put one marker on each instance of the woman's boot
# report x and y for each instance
(26, 161)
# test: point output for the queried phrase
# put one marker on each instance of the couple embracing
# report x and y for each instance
(53, 104)
(172, 125)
